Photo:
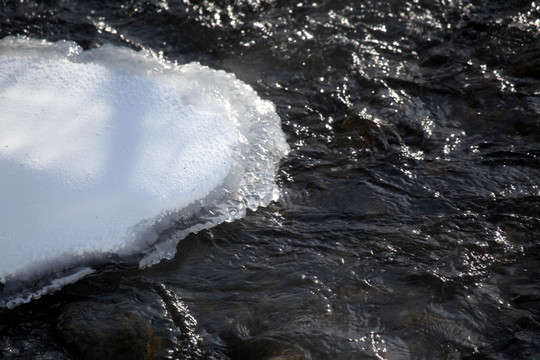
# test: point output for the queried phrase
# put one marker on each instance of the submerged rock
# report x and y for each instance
(266, 348)
(526, 64)
(96, 330)
(125, 328)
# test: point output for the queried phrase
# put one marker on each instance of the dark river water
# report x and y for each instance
(409, 221)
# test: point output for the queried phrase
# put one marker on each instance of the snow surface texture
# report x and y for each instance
(101, 151)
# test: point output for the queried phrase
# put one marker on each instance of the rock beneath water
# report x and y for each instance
(526, 64)
(125, 328)
(266, 348)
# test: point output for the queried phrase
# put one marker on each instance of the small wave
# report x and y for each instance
(115, 154)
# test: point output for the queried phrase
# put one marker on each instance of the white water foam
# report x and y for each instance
(101, 151)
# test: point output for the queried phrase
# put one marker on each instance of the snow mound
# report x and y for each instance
(113, 153)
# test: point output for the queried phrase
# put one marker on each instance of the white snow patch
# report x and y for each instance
(101, 150)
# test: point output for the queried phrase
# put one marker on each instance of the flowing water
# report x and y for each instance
(409, 220)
